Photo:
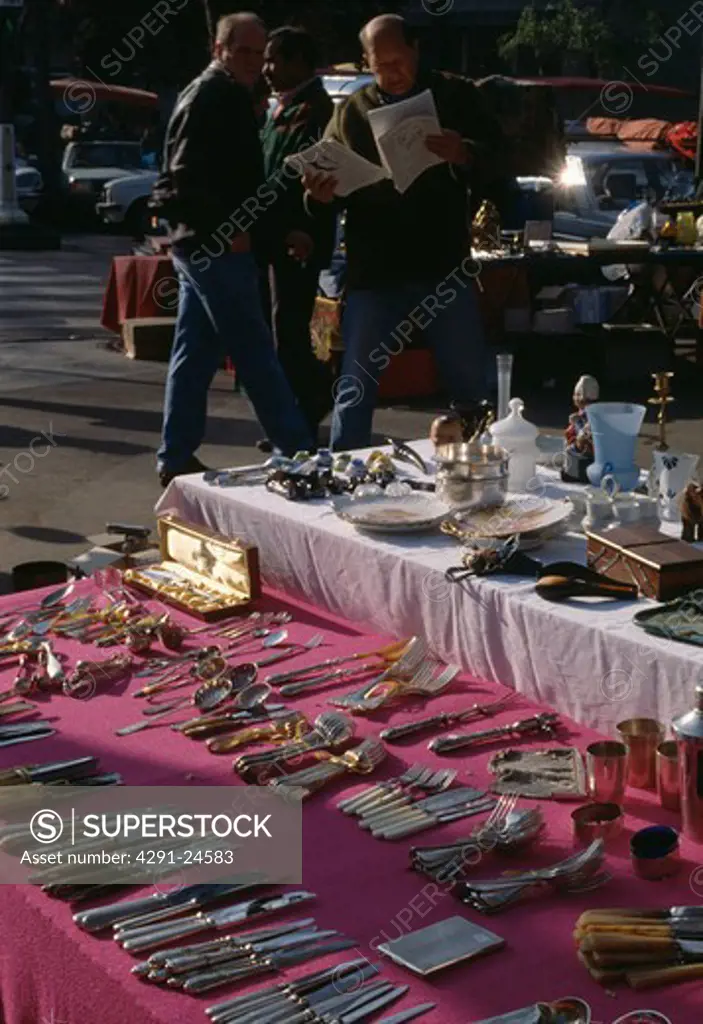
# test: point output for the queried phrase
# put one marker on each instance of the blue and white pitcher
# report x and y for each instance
(668, 479)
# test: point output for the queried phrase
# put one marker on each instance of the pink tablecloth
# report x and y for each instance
(51, 972)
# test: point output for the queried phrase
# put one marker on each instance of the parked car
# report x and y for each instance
(89, 166)
(601, 179)
(341, 86)
(29, 184)
(125, 202)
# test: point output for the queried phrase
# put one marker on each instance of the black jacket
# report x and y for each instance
(212, 161)
(424, 234)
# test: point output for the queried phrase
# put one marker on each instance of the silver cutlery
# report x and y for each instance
(446, 720)
(543, 725)
(217, 919)
(348, 974)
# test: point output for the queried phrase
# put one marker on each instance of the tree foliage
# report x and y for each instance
(596, 32)
(94, 28)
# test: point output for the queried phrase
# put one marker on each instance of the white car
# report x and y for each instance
(124, 201)
(29, 184)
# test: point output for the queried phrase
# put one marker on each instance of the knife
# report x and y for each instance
(99, 918)
(49, 772)
(272, 964)
(207, 954)
(341, 1003)
(10, 736)
(236, 914)
(406, 1015)
(245, 956)
(171, 959)
(334, 997)
(350, 970)
(369, 1008)
(322, 999)
(267, 712)
(198, 901)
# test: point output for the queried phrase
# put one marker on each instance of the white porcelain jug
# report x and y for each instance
(669, 477)
(519, 439)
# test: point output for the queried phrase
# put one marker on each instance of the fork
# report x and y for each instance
(350, 804)
(495, 823)
(406, 665)
(381, 690)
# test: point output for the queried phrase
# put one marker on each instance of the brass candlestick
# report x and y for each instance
(662, 400)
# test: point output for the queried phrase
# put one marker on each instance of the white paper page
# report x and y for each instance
(400, 131)
(351, 170)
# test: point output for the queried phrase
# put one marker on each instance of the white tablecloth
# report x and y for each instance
(588, 660)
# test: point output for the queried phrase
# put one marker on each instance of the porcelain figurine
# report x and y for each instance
(579, 440)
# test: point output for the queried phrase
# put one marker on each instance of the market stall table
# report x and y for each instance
(139, 287)
(51, 971)
(588, 660)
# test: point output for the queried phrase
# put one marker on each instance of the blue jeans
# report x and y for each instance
(219, 312)
(376, 327)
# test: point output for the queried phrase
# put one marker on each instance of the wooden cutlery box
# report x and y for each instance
(226, 568)
(661, 566)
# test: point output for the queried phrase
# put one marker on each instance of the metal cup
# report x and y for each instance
(642, 736)
(668, 775)
(606, 771)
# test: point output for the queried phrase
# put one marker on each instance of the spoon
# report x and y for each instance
(253, 696)
(243, 675)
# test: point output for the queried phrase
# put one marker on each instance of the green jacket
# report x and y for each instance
(425, 233)
(297, 126)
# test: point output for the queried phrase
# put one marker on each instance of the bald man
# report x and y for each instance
(213, 172)
(409, 266)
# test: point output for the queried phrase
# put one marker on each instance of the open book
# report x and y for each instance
(400, 130)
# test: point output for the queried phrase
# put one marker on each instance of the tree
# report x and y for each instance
(597, 35)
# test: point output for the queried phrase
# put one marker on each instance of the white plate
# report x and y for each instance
(407, 514)
(523, 515)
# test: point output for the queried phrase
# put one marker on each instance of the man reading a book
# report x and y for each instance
(409, 265)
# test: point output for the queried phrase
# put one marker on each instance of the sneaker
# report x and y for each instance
(192, 466)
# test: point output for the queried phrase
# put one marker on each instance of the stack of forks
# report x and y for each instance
(414, 673)
(580, 873)
(504, 829)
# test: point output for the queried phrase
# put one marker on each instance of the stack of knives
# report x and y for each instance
(338, 995)
(642, 948)
(396, 815)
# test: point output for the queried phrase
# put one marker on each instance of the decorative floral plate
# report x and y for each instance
(381, 514)
(522, 516)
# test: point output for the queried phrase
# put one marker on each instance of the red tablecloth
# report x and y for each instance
(49, 971)
(139, 286)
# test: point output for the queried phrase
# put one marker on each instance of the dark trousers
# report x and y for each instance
(293, 289)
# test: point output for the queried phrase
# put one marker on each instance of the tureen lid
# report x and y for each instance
(515, 429)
